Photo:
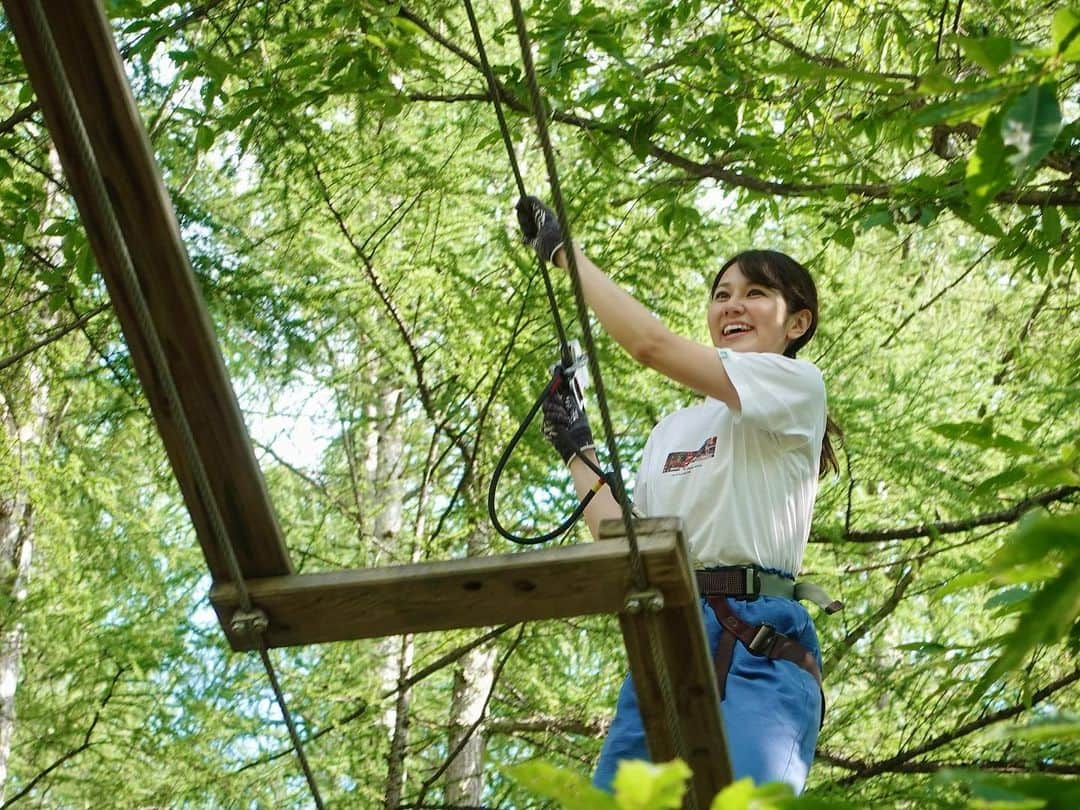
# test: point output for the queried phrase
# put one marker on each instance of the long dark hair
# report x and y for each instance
(780, 272)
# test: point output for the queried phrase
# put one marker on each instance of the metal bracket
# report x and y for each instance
(651, 601)
(252, 622)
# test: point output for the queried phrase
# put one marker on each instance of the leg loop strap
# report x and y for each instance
(762, 640)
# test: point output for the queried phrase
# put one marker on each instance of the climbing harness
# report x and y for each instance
(748, 583)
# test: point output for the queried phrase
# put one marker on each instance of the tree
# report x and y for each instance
(346, 202)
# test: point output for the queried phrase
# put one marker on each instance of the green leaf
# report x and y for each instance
(571, 790)
(644, 786)
(967, 107)
(1030, 126)
(875, 217)
(1002, 480)
(204, 138)
(5, 169)
(924, 647)
(744, 795)
(84, 264)
(990, 53)
(1051, 225)
(1015, 791)
(987, 171)
(735, 796)
(1008, 599)
(1053, 610)
(216, 67)
(982, 434)
(1065, 33)
(844, 236)
(1045, 731)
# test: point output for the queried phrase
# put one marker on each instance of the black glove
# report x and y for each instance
(565, 424)
(539, 228)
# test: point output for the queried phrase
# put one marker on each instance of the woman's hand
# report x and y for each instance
(539, 228)
(565, 424)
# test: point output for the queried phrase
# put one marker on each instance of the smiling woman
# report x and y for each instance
(741, 470)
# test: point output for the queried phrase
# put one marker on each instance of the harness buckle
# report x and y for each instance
(753, 585)
(763, 640)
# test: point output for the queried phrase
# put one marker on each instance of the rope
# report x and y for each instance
(641, 580)
(493, 487)
(114, 237)
(493, 90)
(664, 679)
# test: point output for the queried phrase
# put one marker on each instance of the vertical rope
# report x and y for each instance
(113, 235)
(493, 91)
(664, 679)
(640, 578)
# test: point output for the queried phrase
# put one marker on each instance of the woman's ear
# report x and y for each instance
(798, 324)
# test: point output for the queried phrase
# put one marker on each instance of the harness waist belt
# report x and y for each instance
(745, 582)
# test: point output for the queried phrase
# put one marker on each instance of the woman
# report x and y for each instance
(741, 469)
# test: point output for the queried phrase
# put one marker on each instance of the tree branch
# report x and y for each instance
(407, 683)
(933, 766)
(585, 727)
(1010, 515)
(865, 770)
(837, 653)
(11, 360)
(452, 755)
(716, 169)
(935, 298)
(74, 752)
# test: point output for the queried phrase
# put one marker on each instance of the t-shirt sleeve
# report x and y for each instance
(778, 394)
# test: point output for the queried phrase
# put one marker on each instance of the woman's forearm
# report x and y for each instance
(603, 505)
(623, 317)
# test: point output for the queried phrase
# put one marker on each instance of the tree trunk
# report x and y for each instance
(396, 771)
(27, 427)
(472, 684)
(383, 465)
(16, 552)
(473, 679)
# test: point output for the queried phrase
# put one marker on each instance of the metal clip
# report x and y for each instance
(249, 622)
(651, 600)
(763, 640)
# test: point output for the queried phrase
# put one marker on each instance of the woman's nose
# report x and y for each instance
(732, 305)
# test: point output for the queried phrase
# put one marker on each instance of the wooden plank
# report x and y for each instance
(471, 592)
(679, 634)
(121, 150)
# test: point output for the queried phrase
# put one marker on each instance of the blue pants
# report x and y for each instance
(772, 708)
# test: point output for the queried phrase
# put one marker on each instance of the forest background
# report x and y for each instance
(347, 206)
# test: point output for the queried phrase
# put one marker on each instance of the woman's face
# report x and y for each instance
(749, 317)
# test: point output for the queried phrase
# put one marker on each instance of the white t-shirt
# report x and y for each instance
(744, 484)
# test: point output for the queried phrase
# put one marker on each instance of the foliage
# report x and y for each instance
(345, 199)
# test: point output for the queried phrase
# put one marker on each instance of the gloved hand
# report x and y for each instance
(539, 228)
(565, 424)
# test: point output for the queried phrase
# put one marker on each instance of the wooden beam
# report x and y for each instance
(471, 592)
(547, 584)
(179, 319)
(681, 648)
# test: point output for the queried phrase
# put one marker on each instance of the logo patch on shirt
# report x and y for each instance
(682, 459)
